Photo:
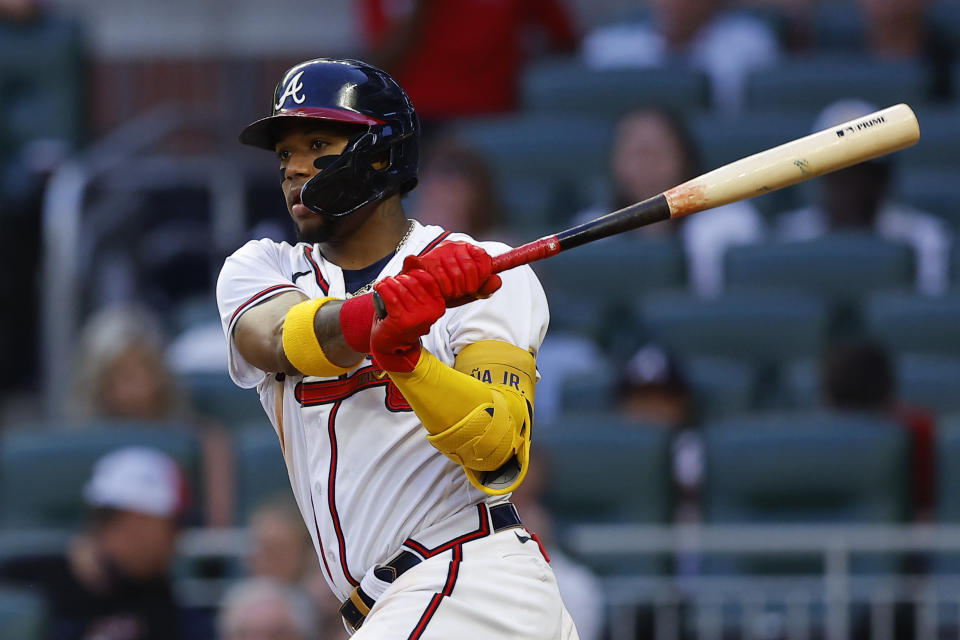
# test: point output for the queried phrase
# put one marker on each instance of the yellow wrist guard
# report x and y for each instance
(480, 413)
(300, 343)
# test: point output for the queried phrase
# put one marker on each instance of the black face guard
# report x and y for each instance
(348, 182)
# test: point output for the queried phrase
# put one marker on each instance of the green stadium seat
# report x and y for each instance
(259, 469)
(947, 487)
(569, 86)
(918, 324)
(812, 468)
(814, 82)
(23, 614)
(214, 394)
(935, 191)
(721, 386)
(761, 327)
(939, 146)
(540, 159)
(602, 468)
(837, 266)
(583, 285)
(588, 392)
(43, 470)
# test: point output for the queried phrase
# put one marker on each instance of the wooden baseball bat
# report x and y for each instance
(837, 147)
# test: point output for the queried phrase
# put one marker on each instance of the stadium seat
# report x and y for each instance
(752, 326)
(947, 488)
(935, 191)
(537, 154)
(23, 614)
(602, 468)
(939, 144)
(814, 82)
(43, 470)
(837, 266)
(837, 26)
(259, 469)
(595, 391)
(813, 468)
(214, 394)
(568, 86)
(584, 284)
(912, 323)
(721, 386)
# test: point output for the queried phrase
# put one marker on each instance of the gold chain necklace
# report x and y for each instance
(406, 236)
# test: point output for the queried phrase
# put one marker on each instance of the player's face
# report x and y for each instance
(297, 149)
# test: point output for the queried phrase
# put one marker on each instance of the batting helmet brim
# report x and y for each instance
(263, 133)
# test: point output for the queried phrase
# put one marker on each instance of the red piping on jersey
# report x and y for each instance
(435, 242)
(323, 556)
(310, 394)
(431, 609)
(331, 479)
(308, 252)
(257, 296)
(482, 531)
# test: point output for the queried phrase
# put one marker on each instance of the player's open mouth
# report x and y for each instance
(297, 208)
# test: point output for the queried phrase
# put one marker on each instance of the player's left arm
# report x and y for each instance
(478, 412)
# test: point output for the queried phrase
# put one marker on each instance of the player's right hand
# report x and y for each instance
(413, 302)
(463, 271)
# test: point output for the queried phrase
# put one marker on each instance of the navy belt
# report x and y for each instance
(355, 608)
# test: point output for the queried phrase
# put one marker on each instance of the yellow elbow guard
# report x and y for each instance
(483, 427)
(300, 343)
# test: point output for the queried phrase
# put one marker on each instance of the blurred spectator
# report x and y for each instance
(652, 152)
(699, 33)
(901, 29)
(281, 550)
(114, 583)
(460, 58)
(858, 198)
(121, 374)
(456, 190)
(121, 371)
(265, 609)
(281, 547)
(860, 375)
(581, 589)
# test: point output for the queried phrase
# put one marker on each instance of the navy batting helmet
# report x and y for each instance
(351, 92)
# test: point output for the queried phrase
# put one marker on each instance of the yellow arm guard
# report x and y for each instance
(479, 413)
(300, 343)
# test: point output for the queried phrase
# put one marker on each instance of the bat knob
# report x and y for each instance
(379, 308)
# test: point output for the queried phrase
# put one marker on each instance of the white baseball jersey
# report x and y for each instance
(362, 471)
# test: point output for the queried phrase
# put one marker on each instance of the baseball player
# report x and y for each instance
(403, 435)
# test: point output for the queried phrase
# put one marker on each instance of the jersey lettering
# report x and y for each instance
(310, 394)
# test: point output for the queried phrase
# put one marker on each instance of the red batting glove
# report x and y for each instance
(413, 302)
(463, 271)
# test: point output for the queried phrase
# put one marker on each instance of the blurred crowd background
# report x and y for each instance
(792, 360)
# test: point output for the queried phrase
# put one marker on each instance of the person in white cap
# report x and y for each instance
(113, 583)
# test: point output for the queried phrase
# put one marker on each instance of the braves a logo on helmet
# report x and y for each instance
(293, 88)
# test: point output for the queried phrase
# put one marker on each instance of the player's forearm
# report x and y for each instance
(258, 334)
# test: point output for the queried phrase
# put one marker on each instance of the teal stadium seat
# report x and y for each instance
(939, 146)
(816, 468)
(837, 26)
(762, 327)
(259, 469)
(721, 386)
(918, 324)
(585, 284)
(947, 487)
(213, 394)
(935, 191)
(43, 470)
(569, 86)
(837, 266)
(815, 81)
(23, 614)
(537, 154)
(602, 468)
(922, 380)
